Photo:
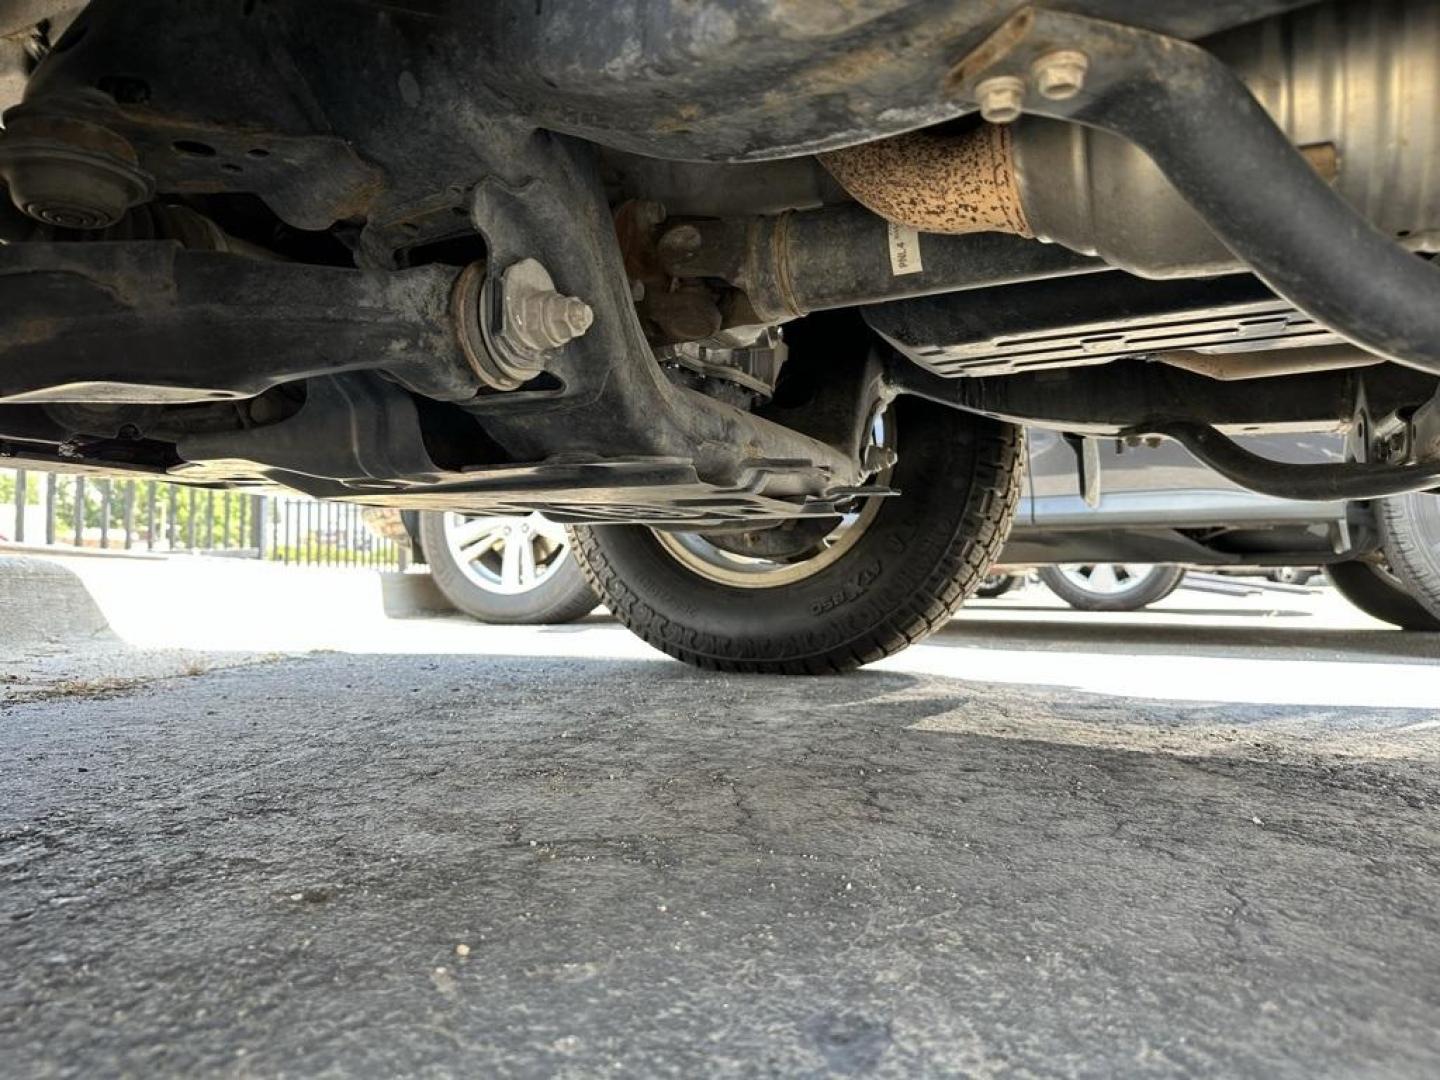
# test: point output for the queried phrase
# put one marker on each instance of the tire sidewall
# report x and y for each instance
(1410, 535)
(1380, 596)
(878, 587)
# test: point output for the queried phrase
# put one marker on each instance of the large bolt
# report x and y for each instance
(1060, 75)
(547, 320)
(678, 244)
(536, 316)
(648, 213)
(1001, 98)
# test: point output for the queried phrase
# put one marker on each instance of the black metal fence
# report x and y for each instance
(66, 511)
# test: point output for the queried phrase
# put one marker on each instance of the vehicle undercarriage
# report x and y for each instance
(693, 266)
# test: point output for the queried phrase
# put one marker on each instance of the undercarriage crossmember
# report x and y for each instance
(416, 255)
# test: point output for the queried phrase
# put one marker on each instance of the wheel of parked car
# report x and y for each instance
(997, 585)
(1410, 525)
(1375, 590)
(1404, 590)
(506, 569)
(1111, 586)
(825, 595)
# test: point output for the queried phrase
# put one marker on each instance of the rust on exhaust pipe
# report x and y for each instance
(937, 183)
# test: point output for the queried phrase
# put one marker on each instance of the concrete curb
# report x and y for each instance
(410, 596)
(43, 602)
(198, 602)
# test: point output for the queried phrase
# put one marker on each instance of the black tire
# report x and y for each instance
(1380, 595)
(912, 566)
(1157, 583)
(996, 585)
(1410, 527)
(563, 596)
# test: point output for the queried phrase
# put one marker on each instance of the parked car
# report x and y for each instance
(1160, 510)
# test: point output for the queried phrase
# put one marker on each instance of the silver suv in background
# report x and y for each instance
(1154, 510)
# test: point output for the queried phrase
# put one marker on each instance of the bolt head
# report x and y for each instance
(535, 316)
(1060, 75)
(878, 458)
(577, 316)
(679, 243)
(1001, 98)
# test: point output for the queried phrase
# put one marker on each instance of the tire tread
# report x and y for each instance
(980, 532)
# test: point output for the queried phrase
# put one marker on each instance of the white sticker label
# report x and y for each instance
(904, 250)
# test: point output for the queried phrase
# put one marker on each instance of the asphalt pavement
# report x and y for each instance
(1182, 844)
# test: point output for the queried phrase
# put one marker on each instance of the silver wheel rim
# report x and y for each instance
(506, 555)
(713, 563)
(742, 571)
(1107, 579)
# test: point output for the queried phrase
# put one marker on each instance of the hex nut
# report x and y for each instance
(548, 320)
(679, 243)
(1060, 75)
(1001, 98)
(537, 318)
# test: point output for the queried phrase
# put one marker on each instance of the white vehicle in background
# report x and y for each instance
(1155, 511)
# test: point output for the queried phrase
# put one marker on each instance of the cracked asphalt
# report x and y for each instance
(575, 866)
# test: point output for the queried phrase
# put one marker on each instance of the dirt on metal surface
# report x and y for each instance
(939, 184)
(572, 866)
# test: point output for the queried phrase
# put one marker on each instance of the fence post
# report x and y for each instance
(259, 525)
(150, 516)
(80, 511)
(129, 514)
(51, 482)
(22, 496)
(105, 514)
